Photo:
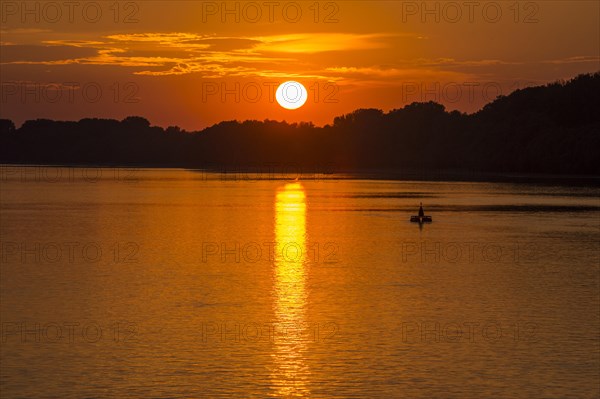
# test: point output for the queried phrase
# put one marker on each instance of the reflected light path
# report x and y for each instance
(290, 374)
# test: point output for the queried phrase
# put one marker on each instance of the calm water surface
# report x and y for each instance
(174, 283)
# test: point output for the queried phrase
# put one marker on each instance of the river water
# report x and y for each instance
(171, 283)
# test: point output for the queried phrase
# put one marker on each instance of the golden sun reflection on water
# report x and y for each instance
(290, 374)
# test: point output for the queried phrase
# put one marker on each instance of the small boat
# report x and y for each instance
(421, 219)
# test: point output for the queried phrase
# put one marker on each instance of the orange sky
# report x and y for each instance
(194, 63)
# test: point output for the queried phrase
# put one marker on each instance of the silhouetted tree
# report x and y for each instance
(547, 129)
(7, 126)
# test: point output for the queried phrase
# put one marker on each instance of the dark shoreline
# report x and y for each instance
(291, 172)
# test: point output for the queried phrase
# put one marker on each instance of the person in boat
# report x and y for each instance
(421, 212)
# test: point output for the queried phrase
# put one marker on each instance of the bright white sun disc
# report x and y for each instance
(291, 95)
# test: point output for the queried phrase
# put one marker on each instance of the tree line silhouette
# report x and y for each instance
(546, 129)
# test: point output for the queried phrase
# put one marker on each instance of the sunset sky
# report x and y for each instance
(171, 61)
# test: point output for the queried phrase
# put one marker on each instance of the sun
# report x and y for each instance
(291, 95)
